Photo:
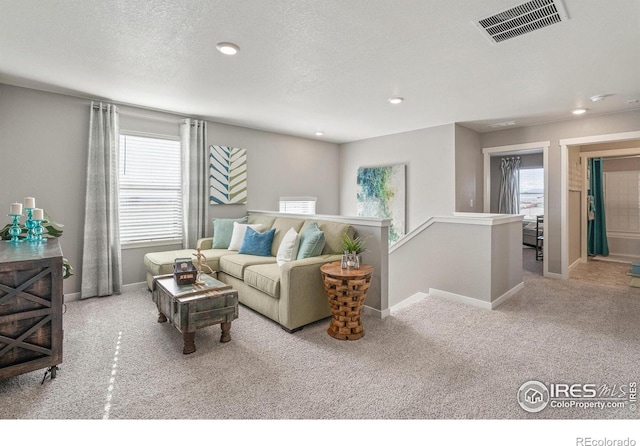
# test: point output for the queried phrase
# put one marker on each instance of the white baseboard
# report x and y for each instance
(71, 297)
(133, 286)
(460, 298)
(408, 301)
(575, 263)
(125, 288)
(506, 296)
(553, 276)
(380, 314)
(476, 302)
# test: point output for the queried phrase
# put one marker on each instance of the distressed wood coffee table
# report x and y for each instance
(190, 307)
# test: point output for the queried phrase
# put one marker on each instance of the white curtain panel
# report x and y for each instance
(195, 201)
(101, 257)
(509, 202)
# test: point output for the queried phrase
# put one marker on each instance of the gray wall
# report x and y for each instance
(430, 175)
(43, 142)
(478, 258)
(574, 128)
(469, 170)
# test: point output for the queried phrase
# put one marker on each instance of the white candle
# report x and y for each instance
(30, 203)
(38, 214)
(16, 209)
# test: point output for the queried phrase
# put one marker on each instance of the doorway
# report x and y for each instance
(530, 155)
(574, 230)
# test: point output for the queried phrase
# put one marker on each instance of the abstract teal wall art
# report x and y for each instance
(227, 175)
(381, 193)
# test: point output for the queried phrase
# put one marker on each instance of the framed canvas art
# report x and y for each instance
(381, 193)
(227, 175)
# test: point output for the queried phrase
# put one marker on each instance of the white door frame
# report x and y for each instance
(584, 156)
(520, 149)
(564, 185)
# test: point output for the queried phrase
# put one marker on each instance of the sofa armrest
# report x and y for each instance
(205, 243)
(302, 295)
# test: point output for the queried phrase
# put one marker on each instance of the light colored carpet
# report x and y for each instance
(432, 360)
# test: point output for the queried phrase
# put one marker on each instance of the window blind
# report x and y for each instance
(298, 205)
(150, 189)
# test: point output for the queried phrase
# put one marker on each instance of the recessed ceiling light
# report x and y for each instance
(579, 111)
(319, 133)
(396, 100)
(228, 48)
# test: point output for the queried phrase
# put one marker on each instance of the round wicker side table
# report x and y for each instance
(346, 290)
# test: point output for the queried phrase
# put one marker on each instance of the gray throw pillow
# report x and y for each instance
(222, 231)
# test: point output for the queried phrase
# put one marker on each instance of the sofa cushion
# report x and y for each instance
(257, 243)
(282, 225)
(239, 229)
(333, 232)
(311, 242)
(263, 220)
(158, 263)
(288, 249)
(235, 264)
(265, 278)
(222, 231)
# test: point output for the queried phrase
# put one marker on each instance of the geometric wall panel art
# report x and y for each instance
(381, 194)
(227, 175)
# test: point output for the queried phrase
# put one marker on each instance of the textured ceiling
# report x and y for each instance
(308, 65)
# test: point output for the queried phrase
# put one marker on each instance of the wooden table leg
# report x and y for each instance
(226, 331)
(189, 339)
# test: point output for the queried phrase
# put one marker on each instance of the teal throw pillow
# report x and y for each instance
(257, 243)
(222, 230)
(311, 242)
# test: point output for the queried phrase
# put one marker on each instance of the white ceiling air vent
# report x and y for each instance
(522, 19)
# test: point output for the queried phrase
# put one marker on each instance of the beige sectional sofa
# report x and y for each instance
(291, 294)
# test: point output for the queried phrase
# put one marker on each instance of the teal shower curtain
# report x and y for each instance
(597, 227)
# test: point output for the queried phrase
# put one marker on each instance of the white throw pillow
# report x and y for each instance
(239, 229)
(288, 249)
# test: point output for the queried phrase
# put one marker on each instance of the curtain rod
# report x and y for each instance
(605, 158)
(96, 105)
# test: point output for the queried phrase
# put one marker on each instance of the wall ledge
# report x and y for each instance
(459, 218)
(362, 221)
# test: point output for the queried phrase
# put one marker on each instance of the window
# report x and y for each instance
(150, 190)
(298, 205)
(532, 191)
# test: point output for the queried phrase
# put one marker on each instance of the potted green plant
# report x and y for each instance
(352, 245)
(51, 229)
(351, 249)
